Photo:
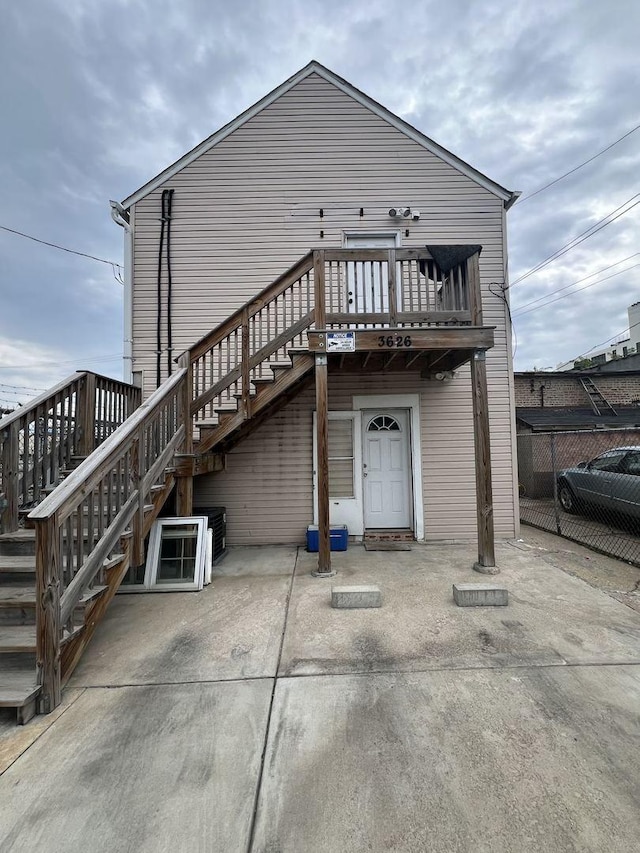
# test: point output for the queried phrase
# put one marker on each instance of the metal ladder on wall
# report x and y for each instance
(599, 403)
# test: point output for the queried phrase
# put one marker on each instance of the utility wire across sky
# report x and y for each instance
(584, 235)
(575, 169)
(114, 266)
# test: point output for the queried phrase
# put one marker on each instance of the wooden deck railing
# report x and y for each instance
(43, 438)
(101, 508)
(327, 288)
(393, 287)
(226, 361)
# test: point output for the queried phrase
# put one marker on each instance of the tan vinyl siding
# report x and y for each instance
(267, 485)
(248, 208)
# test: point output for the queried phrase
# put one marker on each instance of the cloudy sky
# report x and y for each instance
(100, 95)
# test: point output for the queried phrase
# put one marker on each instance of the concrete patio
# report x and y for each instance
(254, 717)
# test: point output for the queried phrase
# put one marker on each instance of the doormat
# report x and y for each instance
(386, 546)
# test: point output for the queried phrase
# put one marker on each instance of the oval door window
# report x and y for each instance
(383, 423)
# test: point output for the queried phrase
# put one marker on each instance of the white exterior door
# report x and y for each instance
(368, 281)
(387, 469)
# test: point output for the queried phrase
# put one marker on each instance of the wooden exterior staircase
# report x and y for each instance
(86, 468)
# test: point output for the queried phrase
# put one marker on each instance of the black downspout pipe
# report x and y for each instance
(169, 282)
(159, 292)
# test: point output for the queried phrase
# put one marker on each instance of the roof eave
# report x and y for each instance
(508, 197)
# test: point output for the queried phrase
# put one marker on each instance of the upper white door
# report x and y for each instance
(386, 469)
(368, 281)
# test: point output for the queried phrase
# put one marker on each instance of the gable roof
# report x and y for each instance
(316, 68)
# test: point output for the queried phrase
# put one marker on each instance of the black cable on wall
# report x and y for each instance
(169, 283)
(165, 233)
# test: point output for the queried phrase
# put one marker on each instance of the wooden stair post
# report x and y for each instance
(48, 614)
(486, 563)
(10, 467)
(184, 485)
(86, 414)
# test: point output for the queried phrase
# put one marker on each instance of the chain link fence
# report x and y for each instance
(585, 486)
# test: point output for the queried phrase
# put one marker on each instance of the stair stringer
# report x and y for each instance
(269, 399)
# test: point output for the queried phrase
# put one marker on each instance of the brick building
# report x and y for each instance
(584, 406)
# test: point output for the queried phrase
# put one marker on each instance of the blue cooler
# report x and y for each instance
(338, 537)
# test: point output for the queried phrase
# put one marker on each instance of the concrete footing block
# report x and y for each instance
(480, 595)
(486, 570)
(365, 595)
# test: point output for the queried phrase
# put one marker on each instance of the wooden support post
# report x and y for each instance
(48, 613)
(86, 415)
(322, 444)
(9, 488)
(184, 486)
(484, 499)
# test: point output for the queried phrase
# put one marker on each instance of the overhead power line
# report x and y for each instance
(584, 235)
(19, 387)
(575, 169)
(114, 266)
(608, 340)
(80, 359)
(586, 287)
(545, 300)
(7, 392)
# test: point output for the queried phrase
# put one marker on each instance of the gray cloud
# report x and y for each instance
(98, 97)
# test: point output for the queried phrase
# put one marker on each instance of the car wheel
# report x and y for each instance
(567, 499)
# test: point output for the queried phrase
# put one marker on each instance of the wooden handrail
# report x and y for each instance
(73, 542)
(251, 307)
(37, 401)
(42, 439)
(82, 479)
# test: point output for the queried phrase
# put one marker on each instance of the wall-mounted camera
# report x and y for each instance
(402, 211)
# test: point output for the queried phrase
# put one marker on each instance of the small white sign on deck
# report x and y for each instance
(341, 341)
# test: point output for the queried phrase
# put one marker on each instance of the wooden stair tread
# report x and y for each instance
(207, 424)
(23, 535)
(110, 562)
(17, 596)
(15, 639)
(20, 596)
(17, 564)
(18, 688)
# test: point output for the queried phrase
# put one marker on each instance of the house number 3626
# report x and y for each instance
(394, 341)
